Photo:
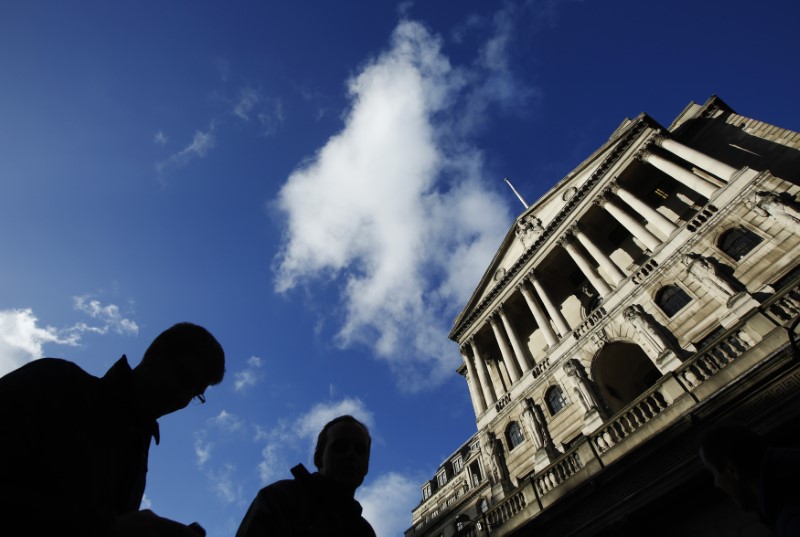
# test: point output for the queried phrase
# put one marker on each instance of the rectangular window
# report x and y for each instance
(426, 491)
(441, 478)
(458, 465)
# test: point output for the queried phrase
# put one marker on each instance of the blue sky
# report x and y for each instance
(320, 184)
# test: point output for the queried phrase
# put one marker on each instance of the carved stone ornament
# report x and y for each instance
(705, 271)
(499, 273)
(569, 193)
(776, 207)
(529, 229)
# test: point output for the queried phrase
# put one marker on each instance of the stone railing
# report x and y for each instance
(502, 402)
(644, 271)
(705, 364)
(562, 469)
(630, 419)
(701, 218)
(785, 307)
(590, 322)
(506, 509)
(542, 366)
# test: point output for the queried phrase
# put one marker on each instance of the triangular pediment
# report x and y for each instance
(534, 224)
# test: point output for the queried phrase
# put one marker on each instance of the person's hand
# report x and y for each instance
(147, 523)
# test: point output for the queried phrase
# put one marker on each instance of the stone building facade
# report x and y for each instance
(647, 296)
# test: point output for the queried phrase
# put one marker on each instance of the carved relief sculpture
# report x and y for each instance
(528, 230)
(772, 205)
(649, 334)
(583, 385)
(706, 273)
(498, 459)
(532, 426)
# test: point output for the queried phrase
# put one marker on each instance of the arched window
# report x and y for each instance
(514, 435)
(555, 400)
(738, 242)
(671, 299)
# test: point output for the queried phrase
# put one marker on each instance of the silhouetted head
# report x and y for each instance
(178, 365)
(342, 452)
(733, 455)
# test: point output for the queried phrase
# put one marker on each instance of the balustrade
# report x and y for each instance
(701, 218)
(589, 323)
(630, 419)
(506, 509)
(541, 367)
(706, 364)
(643, 272)
(502, 402)
(558, 472)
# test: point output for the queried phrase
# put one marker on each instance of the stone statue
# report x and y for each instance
(649, 333)
(583, 385)
(499, 468)
(706, 273)
(532, 425)
(772, 205)
(529, 229)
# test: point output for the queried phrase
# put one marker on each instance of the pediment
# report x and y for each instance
(533, 227)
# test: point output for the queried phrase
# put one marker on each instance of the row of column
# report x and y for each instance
(486, 388)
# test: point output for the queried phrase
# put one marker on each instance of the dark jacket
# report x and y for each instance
(74, 450)
(779, 491)
(309, 505)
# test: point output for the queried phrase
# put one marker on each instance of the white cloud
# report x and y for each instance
(387, 502)
(21, 338)
(223, 484)
(248, 98)
(201, 143)
(146, 503)
(249, 376)
(395, 213)
(202, 448)
(160, 138)
(226, 422)
(109, 316)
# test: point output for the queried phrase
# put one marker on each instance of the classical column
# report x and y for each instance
(602, 259)
(519, 351)
(474, 386)
(701, 160)
(551, 308)
(538, 314)
(588, 270)
(661, 222)
(483, 374)
(630, 223)
(680, 174)
(508, 357)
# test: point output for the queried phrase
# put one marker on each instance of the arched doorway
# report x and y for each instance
(623, 372)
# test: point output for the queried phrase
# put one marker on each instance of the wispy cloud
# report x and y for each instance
(22, 338)
(222, 481)
(160, 138)
(248, 377)
(389, 203)
(109, 316)
(248, 98)
(271, 116)
(202, 143)
(388, 501)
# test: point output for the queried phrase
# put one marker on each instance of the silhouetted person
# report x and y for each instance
(757, 477)
(74, 447)
(321, 503)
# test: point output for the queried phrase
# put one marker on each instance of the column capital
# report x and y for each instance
(643, 154)
(493, 317)
(612, 187)
(601, 199)
(657, 140)
(463, 349)
(566, 239)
